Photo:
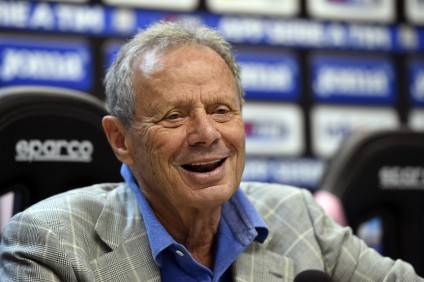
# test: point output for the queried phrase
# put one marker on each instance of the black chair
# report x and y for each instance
(51, 140)
(382, 174)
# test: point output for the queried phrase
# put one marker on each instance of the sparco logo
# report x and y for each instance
(53, 151)
(401, 177)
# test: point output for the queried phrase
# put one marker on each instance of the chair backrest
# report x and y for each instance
(382, 174)
(51, 140)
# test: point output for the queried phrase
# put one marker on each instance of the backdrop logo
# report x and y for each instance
(35, 150)
(352, 81)
(273, 129)
(264, 130)
(267, 76)
(337, 79)
(41, 64)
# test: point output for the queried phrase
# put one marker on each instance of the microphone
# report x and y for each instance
(312, 275)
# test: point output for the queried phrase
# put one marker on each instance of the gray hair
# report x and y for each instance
(162, 36)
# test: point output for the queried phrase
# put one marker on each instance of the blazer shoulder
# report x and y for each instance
(85, 202)
(270, 192)
(282, 203)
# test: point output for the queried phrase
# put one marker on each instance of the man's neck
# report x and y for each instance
(193, 228)
(200, 239)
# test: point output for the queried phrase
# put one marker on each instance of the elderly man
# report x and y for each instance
(175, 100)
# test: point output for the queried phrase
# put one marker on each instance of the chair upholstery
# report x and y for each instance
(51, 140)
(382, 174)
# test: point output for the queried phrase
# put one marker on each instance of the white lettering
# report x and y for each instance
(241, 29)
(81, 19)
(53, 151)
(296, 33)
(124, 20)
(14, 14)
(370, 36)
(336, 34)
(297, 172)
(42, 16)
(267, 77)
(256, 170)
(400, 178)
(49, 65)
(302, 172)
(408, 37)
(352, 81)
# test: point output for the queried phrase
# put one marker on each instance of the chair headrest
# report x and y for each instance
(52, 140)
(378, 168)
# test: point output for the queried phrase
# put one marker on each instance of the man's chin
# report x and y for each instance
(214, 195)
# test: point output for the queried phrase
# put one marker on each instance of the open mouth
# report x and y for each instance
(204, 167)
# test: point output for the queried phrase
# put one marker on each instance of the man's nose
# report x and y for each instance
(202, 130)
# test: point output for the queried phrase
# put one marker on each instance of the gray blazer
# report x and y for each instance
(97, 234)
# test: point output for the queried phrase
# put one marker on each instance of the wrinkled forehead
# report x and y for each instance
(187, 69)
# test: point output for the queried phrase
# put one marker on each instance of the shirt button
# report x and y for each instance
(179, 253)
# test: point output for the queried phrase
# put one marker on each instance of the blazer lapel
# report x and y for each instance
(257, 263)
(120, 226)
(121, 230)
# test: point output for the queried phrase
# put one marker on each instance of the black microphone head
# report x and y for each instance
(312, 275)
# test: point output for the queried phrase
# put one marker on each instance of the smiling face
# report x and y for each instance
(187, 139)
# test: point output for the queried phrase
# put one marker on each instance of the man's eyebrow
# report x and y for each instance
(171, 103)
(229, 100)
(163, 106)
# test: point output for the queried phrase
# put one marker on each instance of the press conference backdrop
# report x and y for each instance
(313, 70)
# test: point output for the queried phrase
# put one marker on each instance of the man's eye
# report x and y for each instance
(174, 119)
(173, 116)
(222, 114)
(222, 110)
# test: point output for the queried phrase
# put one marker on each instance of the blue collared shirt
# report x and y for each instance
(239, 225)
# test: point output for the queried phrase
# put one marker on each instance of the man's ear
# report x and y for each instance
(117, 136)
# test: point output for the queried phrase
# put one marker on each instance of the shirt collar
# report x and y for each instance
(159, 238)
(239, 213)
(243, 219)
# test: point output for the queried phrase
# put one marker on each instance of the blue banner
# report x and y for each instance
(416, 82)
(100, 20)
(45, 62)
(40, 16)
(271, 77)
(301, 172)
(353, 79)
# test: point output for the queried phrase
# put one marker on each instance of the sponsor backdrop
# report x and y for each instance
(29, 61)
(313, 71)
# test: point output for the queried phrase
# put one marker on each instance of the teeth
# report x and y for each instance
(206, 163)
(203, 166)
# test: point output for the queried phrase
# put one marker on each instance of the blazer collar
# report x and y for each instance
(119, 219)
(120, 226)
